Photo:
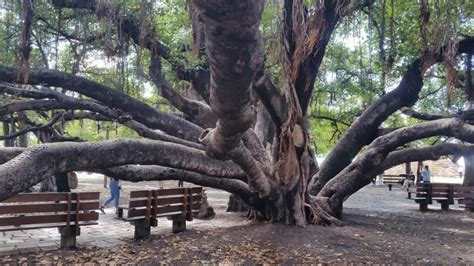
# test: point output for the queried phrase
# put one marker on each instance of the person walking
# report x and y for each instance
(426, 174)
(180, 183)
(114, 187)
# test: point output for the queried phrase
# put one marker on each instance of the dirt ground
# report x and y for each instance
(400, 236)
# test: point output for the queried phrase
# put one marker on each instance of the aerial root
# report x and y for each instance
(322, 213)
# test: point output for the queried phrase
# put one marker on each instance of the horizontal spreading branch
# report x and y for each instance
(42, 161)
(433, 153)
(112, 98)
(69, 103)
(135, 173)
(8, 153)
(364, 130)
(359, 173)
(422, 116)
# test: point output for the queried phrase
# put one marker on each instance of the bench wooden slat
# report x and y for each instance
(46, 219)
(468, 189)
(50, 196)
(168, 214)
(160, 201)
(43, 226)
(164, 192)
(47, 207)
(161, 210)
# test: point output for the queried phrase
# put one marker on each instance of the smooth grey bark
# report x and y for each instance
(364, 129)
(135, 173)
(328, 202)
(61, 101)
(235, 53)
(112, 98)
(42, 161)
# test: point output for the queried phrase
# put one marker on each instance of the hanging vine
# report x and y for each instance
(25, 41)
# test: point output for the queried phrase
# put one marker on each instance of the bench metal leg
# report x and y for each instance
(390, 187)
(179, 224)
(68, 237)
(142, 229)
(444, 205)
(423, 207)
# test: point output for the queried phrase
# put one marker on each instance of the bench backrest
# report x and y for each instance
(392, 179)
(164, 202)
(464, 192)
(46, 209)
(435, 190)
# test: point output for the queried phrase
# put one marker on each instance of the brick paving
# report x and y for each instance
(110, 231)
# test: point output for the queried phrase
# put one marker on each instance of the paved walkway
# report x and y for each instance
(111, 232)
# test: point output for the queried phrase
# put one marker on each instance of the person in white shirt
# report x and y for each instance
(426, 174)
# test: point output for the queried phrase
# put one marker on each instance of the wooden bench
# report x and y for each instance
(66, 211)
(427, 192)
(392, 179)
(465, 197)
(145, 206)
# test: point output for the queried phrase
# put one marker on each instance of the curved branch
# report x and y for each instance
(129, 27)
(194, 111)
(422, 116)
(42, 161)
(140, 111)
(70, 103)
(8, 153)
(53, 121)
(358, 174)
(422, 154)
(364, 130)
(135, 173)
(25, 93)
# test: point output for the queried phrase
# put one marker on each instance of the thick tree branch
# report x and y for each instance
(358, 174)
(8, 153)
(305, 37)
(42, 161)
(135, 173)
(194, 111)
(365, 128)
(433, 153)
(70, 103)
(140, 111)
(422, 116)
(129, 27)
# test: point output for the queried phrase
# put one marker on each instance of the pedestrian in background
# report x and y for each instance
(114, 187)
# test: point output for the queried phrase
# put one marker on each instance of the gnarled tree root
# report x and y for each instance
(322, 213)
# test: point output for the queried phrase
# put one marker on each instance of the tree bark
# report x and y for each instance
(468, 171)
(328, 202)
(42, 161)
(364, 130)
